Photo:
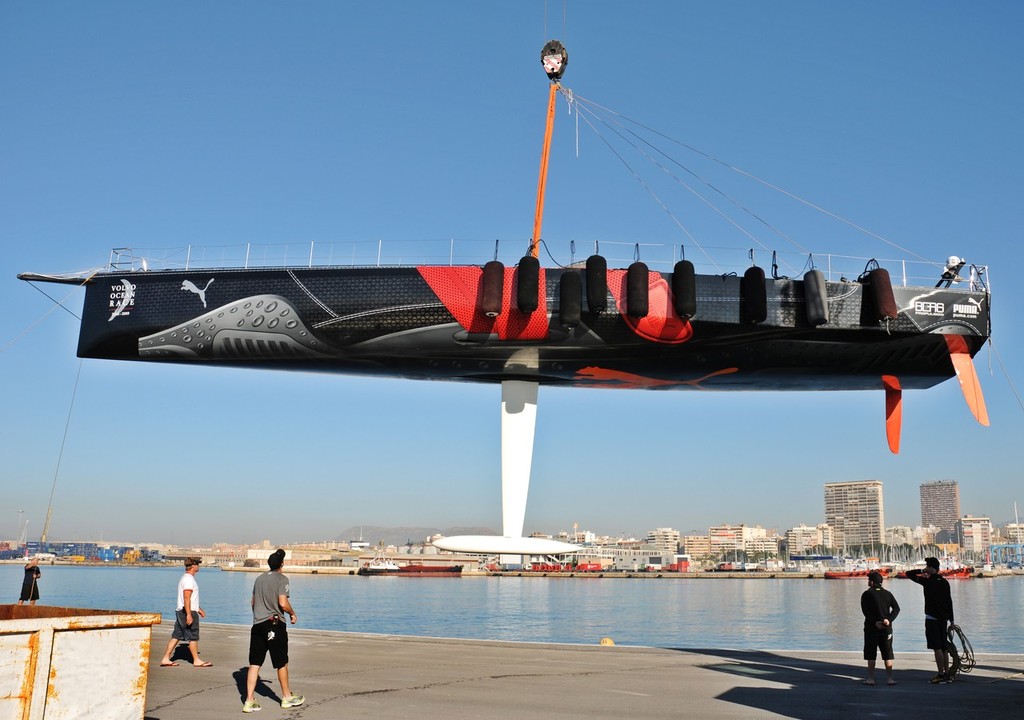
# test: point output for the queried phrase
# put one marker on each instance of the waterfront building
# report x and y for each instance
(665, 539)
(855, 511)
(925, 535)
(1015, 533)
(762, 546)
(899, 535)
(802, 539)
(697, 546)
(726, 539)
(975, 533)
(628, 558)
(940, 506)
(583, 537)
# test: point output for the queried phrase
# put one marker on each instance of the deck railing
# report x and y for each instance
(658, 256)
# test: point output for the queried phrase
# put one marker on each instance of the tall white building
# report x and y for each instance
(802, 539)
(665, 539)
(1015, 533)
(855, 512)
(723, 539)
(975, 533)
(697, 546)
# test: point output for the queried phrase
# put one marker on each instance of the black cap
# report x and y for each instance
(931, 562)
(875, 577)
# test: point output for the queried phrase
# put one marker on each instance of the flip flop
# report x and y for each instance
(867, 682)
(203, 664)
(170, 664)
(891, 682)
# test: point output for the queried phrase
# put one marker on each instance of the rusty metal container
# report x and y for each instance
(65, 663)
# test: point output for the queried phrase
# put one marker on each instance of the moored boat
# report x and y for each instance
(956, 573)
(418, 569)
(380, 566)
(858, 573)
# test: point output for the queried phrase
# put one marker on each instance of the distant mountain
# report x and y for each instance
(399, 536)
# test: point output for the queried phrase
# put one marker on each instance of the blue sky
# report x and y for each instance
(166, 124)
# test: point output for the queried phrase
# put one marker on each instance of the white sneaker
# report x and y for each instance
(292, 701)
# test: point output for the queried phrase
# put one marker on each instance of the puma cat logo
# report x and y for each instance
(193, 288)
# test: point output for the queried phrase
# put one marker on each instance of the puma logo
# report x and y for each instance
(193, 288)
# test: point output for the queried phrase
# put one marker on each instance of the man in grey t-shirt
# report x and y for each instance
(270, 602)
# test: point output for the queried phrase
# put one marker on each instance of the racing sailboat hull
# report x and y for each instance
(427, 322)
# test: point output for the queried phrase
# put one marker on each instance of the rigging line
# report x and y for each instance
(565, 8)
(692, 190)
(773, 187)
(56, 304)
(1009, 380)
(60, 303)
(651, 192)
(710, 185)
(60, 455)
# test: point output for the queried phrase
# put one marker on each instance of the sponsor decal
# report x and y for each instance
(969, 310)
(194, 289)
(929, 308)
(121, 300)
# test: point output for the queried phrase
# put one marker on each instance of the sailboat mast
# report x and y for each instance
(554, 58)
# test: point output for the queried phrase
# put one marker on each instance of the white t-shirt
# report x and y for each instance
(188, 582)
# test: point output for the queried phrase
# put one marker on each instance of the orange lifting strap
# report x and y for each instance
(538, 216)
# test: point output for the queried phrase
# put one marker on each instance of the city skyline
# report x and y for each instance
(133, 126)
(780, 531)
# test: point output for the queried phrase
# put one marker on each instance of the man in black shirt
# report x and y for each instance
(938, 615)
(880, 609)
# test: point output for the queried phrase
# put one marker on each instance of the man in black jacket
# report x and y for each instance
(880, 609)
(938, 615)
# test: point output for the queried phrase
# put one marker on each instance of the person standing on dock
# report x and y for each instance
(938, 615)
(30, 585)
(880, 609)
(186, 617)
(270, 602)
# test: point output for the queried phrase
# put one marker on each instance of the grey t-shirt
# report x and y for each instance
(265, 592)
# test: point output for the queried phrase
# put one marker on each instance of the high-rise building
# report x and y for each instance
(855, 512)
(940, 506)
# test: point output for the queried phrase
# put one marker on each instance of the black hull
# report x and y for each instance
(426, 323)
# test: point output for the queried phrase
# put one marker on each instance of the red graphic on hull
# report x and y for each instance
(618, 380)
(661, 324)
(460, 289)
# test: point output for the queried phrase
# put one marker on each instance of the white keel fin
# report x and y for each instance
(518, 426)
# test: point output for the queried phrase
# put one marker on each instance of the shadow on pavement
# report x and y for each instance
(814, 688)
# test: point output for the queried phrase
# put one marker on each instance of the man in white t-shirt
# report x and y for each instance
(186, 617)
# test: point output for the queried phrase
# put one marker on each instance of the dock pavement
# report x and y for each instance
(388, 677)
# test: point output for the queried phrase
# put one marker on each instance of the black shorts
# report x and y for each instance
(181, 631)
(935, 634)
(878, 640)
(269, 636)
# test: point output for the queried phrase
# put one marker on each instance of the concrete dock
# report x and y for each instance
(385, 677)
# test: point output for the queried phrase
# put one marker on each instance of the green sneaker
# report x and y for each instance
(251, 706)
(292, 701)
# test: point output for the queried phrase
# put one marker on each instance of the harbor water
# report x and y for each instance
(753, 614)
